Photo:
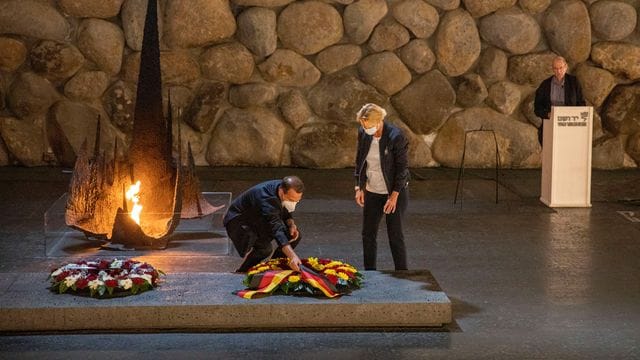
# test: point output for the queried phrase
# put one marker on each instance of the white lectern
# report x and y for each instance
(566, 157)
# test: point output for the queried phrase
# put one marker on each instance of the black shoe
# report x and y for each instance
(250, 259)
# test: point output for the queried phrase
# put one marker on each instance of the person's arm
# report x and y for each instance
(542, 102)
(294, 260)
(359, 193)
(401, 176)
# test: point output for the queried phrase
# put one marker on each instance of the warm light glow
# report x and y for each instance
(133, 194)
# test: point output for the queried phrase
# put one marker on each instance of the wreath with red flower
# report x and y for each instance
(103, 278)
(326, 277)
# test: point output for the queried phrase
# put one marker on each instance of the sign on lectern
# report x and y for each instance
(566, 157)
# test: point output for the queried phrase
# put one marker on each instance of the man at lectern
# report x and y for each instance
(561, 89)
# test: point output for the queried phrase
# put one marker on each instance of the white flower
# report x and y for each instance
(147, 277)
(70, 280)
(116, 264)
(94, 284)
(57, 272)
(126, 284)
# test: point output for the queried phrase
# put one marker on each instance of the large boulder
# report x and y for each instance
(196, 23)
(87, 85)
(251, 137)
(568, 29)
(530, 69)
(534, 6)
(445, 4)
(119, 102)
(102, 42)
(417, 55)
(24, 140)
(91, 8)
(361, 17)
(230, 62)
(55, 60)
(69, 124)
(307, 27)
(619, 58)
(338, 57)
(294, 108)
(340, 96)
(511, 30)
(504, 97)
(31, 95)
(385, 71)
(257, 30)
(322, 145)
(262, 3)
(417, 16)
(633, 147)
(608, 154)
(388, 35)
(287, 68)
(457, 43)
(13, 53)
(612, 20)
(33, 18)
(176, 67)
(480, 8)
(596, 83)
(133, 15)
(621, 110)
(517, 142)
(492, 65)
(471, 91)
(426, 103)
(254, 94)
(207, 106)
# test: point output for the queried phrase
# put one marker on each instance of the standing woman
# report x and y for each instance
(382, 177)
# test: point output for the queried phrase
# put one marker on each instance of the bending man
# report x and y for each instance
(262, 214)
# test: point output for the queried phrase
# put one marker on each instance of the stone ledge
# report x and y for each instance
(204, 301)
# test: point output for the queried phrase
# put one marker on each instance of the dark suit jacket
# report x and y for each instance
(393, 158)
(261, 206)
(572, 95)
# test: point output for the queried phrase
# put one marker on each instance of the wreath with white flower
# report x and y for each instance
(103, 278)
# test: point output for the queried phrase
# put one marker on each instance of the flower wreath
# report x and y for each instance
(316, 277)
(102, 278)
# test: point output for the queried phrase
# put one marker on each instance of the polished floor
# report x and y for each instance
(526, 281)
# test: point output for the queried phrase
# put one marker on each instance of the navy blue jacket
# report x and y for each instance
(393, 158)
(572, 95)
(262, 206)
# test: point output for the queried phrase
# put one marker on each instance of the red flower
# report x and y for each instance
(324, 261)
(103, 264)
(111, 283)
(62, 275)
(138, 281)
(82, 283)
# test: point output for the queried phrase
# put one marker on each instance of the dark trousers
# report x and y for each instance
(373, 211)
(252, 240)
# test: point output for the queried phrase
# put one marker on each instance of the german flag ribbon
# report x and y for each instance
(268, 281)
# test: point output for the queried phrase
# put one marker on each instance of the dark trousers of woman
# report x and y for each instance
(373, 211)
(252, 240)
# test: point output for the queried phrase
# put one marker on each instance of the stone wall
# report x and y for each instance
(277, 82)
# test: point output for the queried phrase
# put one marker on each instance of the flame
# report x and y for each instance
(133, 194)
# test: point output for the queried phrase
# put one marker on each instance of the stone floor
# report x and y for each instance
(526, 281)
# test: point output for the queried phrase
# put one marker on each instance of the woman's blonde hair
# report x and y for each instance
(371, 114)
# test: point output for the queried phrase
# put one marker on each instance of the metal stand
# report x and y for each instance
(460, 183)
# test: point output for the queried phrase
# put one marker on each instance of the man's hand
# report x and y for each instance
(360, 197)
(294, 260)
(293, 232)
(390, 205)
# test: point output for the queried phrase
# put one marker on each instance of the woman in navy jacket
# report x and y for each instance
(382, 176)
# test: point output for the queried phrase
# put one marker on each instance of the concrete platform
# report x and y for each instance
(204, 302)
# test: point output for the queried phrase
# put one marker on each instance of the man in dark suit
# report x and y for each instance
(561, 89)
(262, 214)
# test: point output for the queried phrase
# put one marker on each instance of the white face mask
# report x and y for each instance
(289, 205)
(371, 130)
